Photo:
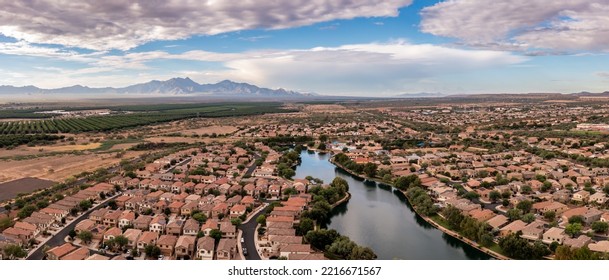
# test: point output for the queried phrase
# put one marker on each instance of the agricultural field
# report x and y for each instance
(134, 116)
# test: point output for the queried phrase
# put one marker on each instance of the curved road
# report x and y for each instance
(249, 230)
(59, 238)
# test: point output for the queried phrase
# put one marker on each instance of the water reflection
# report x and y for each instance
(375, 216)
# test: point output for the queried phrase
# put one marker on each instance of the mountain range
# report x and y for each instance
(420, 95)
(175, 86)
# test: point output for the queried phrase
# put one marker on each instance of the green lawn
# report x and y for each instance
(440, 221)
(495, 248)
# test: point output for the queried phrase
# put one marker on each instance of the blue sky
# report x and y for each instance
(351, 47)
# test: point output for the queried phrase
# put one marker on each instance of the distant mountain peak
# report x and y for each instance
(174, 86)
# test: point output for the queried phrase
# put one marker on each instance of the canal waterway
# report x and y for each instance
(380, 217)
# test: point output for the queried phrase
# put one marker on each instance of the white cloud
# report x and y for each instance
(604, 75)
(563, 25)
(118, 24)
(349, 69)
(25, 49)
(362, 68)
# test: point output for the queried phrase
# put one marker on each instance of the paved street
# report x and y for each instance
(249, 229)
(59, 238)
(252, 167)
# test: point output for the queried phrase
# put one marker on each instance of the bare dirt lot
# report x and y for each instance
(27, 151)
(211, 129)
(65, 148)
(58, 168)
(9, 190)
(327, 108)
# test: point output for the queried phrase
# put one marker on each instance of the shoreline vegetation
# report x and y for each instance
(436, 220)
(312, 222)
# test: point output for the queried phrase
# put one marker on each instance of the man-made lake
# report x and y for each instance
(381, 218)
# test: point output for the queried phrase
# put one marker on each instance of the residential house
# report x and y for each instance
(126, 219)
(554, 235)
(533, 231)
(167, 244)
(158, 224)
(191, 227)
(147, 238)
(175, 227)
(132, 235)
(205, 248)
(185, 246)
(142, 222)
(581, 196)
(227, 249)
(77, 255)
(57, 252)
(287, 250)
(228, 230)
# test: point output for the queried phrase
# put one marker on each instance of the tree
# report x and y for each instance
(42, 204)
(121, 241)
(567, 253)
(486, 240)
(236, 221)
(290, 191)
(515, 247)
(85, 236)
(200, 217)
(514, 214)
(5, 223)
(152, 251)
(261, 230)
(321, 238)
(261, 220)
(362, 253)
(85, 205)
(494, 195)
(471, 195)
(322, 146)
(453, 216)
(112, 204)
(404, 182)
(341, 248)
(304, 226)
(370, 169)
(14, 251)
(26, 211)
(577, 219)
(573, 229)
(528, 218)
(599, 226)
(167, 211)
(215, 234)
(72, 234)
(525, 206)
